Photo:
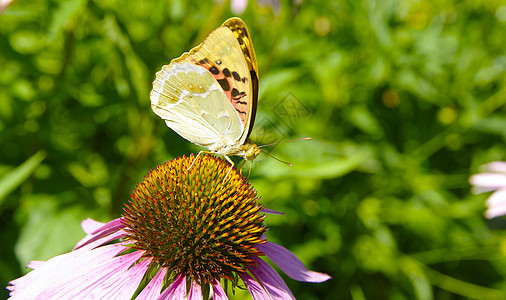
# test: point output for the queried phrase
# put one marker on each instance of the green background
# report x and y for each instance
(404, 100)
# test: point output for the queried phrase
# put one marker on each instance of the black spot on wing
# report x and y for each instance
(203, 61)
(214, 70)
(218, 62)
(234, 92)
(224, 84)
(236, 76)
(226, 72)
(236, 95)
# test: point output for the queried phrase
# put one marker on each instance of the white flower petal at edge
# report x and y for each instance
(497, 166)
(290, 264)
(486, 182)
(496, 204)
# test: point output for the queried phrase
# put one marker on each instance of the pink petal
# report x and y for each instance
(34, 264)
(111, 279)
(487, 182)
(154, 287)
(110, 227)
(218, 292)
(290, 264)
(121, 283)
(270, 280)
(176, 290)
(195, 292)
(62, 271)
(254, 288)
(89, 225)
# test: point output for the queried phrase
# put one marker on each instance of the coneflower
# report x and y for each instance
(184, 233)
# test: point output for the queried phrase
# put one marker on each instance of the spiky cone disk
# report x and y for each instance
(199, 222)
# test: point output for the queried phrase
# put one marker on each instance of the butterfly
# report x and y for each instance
(209, 95)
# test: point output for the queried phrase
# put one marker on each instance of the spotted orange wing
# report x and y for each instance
(228, 54)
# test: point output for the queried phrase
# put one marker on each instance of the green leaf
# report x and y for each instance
(16, 177)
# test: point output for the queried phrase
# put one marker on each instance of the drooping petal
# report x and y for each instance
(290, 264)
(487, 182)
(271, 211)
(270, 280)
(195, 292)
(255, 289)
(154, 287)
(218, 292)
(176, 290)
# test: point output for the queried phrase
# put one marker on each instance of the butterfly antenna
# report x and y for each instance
(301, 139)
(285, 162)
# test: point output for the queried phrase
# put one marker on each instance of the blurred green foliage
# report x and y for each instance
(403, 99)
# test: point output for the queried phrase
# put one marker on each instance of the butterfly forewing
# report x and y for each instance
(243, 38)
(228, 55)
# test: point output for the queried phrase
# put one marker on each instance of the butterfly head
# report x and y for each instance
(249, 150)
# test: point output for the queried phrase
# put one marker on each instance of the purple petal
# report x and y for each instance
(195, 292)
(487, 182)
(254, 288)
(218, 292)
(290, 264)
(176, 290)
(271, 211)
(154, 287)
(270, 280)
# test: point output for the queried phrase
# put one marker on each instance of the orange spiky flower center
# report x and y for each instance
(198, 222)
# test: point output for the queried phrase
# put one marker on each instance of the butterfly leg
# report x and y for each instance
(250, 166)
(231, 166)
(197, 156)
(242, 165)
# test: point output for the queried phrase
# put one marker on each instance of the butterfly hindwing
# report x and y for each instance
(193, 104)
